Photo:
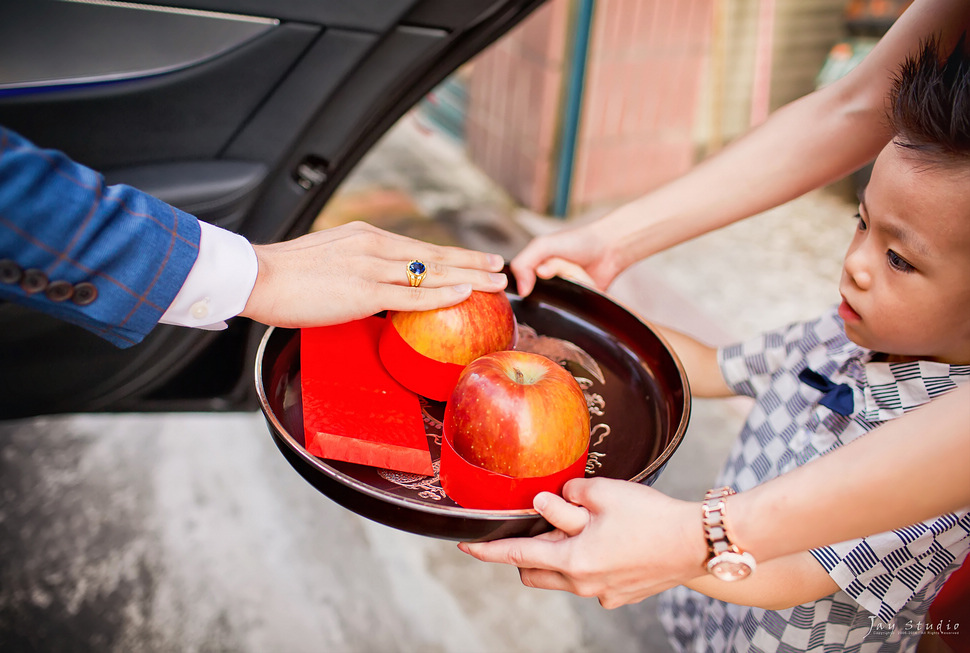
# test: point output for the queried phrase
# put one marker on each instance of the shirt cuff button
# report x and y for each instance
(200, 309)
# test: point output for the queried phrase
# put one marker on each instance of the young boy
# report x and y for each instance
(900, 337)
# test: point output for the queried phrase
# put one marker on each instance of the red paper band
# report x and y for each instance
(471, 486)
(415, 371)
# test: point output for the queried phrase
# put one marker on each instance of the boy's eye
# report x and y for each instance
(862, 222)
(897, 262)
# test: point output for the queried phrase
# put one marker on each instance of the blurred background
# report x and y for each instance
(189, 532)
(592, 103)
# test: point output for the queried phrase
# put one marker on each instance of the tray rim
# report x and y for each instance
(458, 511)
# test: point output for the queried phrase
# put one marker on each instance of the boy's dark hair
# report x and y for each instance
(930, 104)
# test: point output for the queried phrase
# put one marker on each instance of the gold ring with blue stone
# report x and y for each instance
(417, 271)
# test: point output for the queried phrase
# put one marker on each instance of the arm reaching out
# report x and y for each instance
(125, 260)
(699, 359)
(606, 542)
(622, 542)
(806, 144)
(355, 270)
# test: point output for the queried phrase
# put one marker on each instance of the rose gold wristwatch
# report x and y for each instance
(725, 560)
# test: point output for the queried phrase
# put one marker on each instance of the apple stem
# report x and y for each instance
(519, 377)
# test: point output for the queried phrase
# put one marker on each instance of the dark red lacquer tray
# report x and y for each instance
(636, 389)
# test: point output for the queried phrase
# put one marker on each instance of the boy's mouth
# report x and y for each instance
(847, 313)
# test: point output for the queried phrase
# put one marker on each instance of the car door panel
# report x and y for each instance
(375, 16)
(251, 129)
(185, 114)
(109, 42)
(220, 192)
(355, 103)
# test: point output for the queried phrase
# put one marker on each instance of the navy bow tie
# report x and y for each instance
(837, 397)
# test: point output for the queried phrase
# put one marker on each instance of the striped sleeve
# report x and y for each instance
(885, 572)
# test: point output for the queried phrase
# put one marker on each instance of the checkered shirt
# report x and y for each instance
(888, 580)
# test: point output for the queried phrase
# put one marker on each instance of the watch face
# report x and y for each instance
(729, 567)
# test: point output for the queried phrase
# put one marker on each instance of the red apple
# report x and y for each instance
(427, 350)
(481, 324)
(518, 414)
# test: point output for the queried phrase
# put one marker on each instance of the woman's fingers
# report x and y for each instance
(565, 253)
(524, 265)
(567, 517)
(524, 553)
(545, 579)
(560, 267)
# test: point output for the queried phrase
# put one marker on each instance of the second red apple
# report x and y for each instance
(518, 414)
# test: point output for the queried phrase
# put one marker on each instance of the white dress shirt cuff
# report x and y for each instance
(219, 283)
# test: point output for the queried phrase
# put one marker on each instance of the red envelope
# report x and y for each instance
(353, 410)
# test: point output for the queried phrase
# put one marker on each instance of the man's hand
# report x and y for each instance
(618, 541)
(355, 270)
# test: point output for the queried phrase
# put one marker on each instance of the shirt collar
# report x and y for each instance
(891, 389)
(883, 391)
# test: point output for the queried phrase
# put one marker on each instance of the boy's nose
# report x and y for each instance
(857, 270)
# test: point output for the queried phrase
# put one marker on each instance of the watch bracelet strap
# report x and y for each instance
(715, 532)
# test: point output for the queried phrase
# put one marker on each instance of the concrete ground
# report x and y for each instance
(191, 533)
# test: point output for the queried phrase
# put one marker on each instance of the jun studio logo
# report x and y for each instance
(879, 629)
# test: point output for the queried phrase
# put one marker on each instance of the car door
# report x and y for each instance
(246, 113)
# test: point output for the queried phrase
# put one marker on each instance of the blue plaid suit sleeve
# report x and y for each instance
(59, 217)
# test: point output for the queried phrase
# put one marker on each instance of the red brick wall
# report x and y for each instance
(644, 72)
(514, 103)
(643, 81)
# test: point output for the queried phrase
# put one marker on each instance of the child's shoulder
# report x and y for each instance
(825, 332)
